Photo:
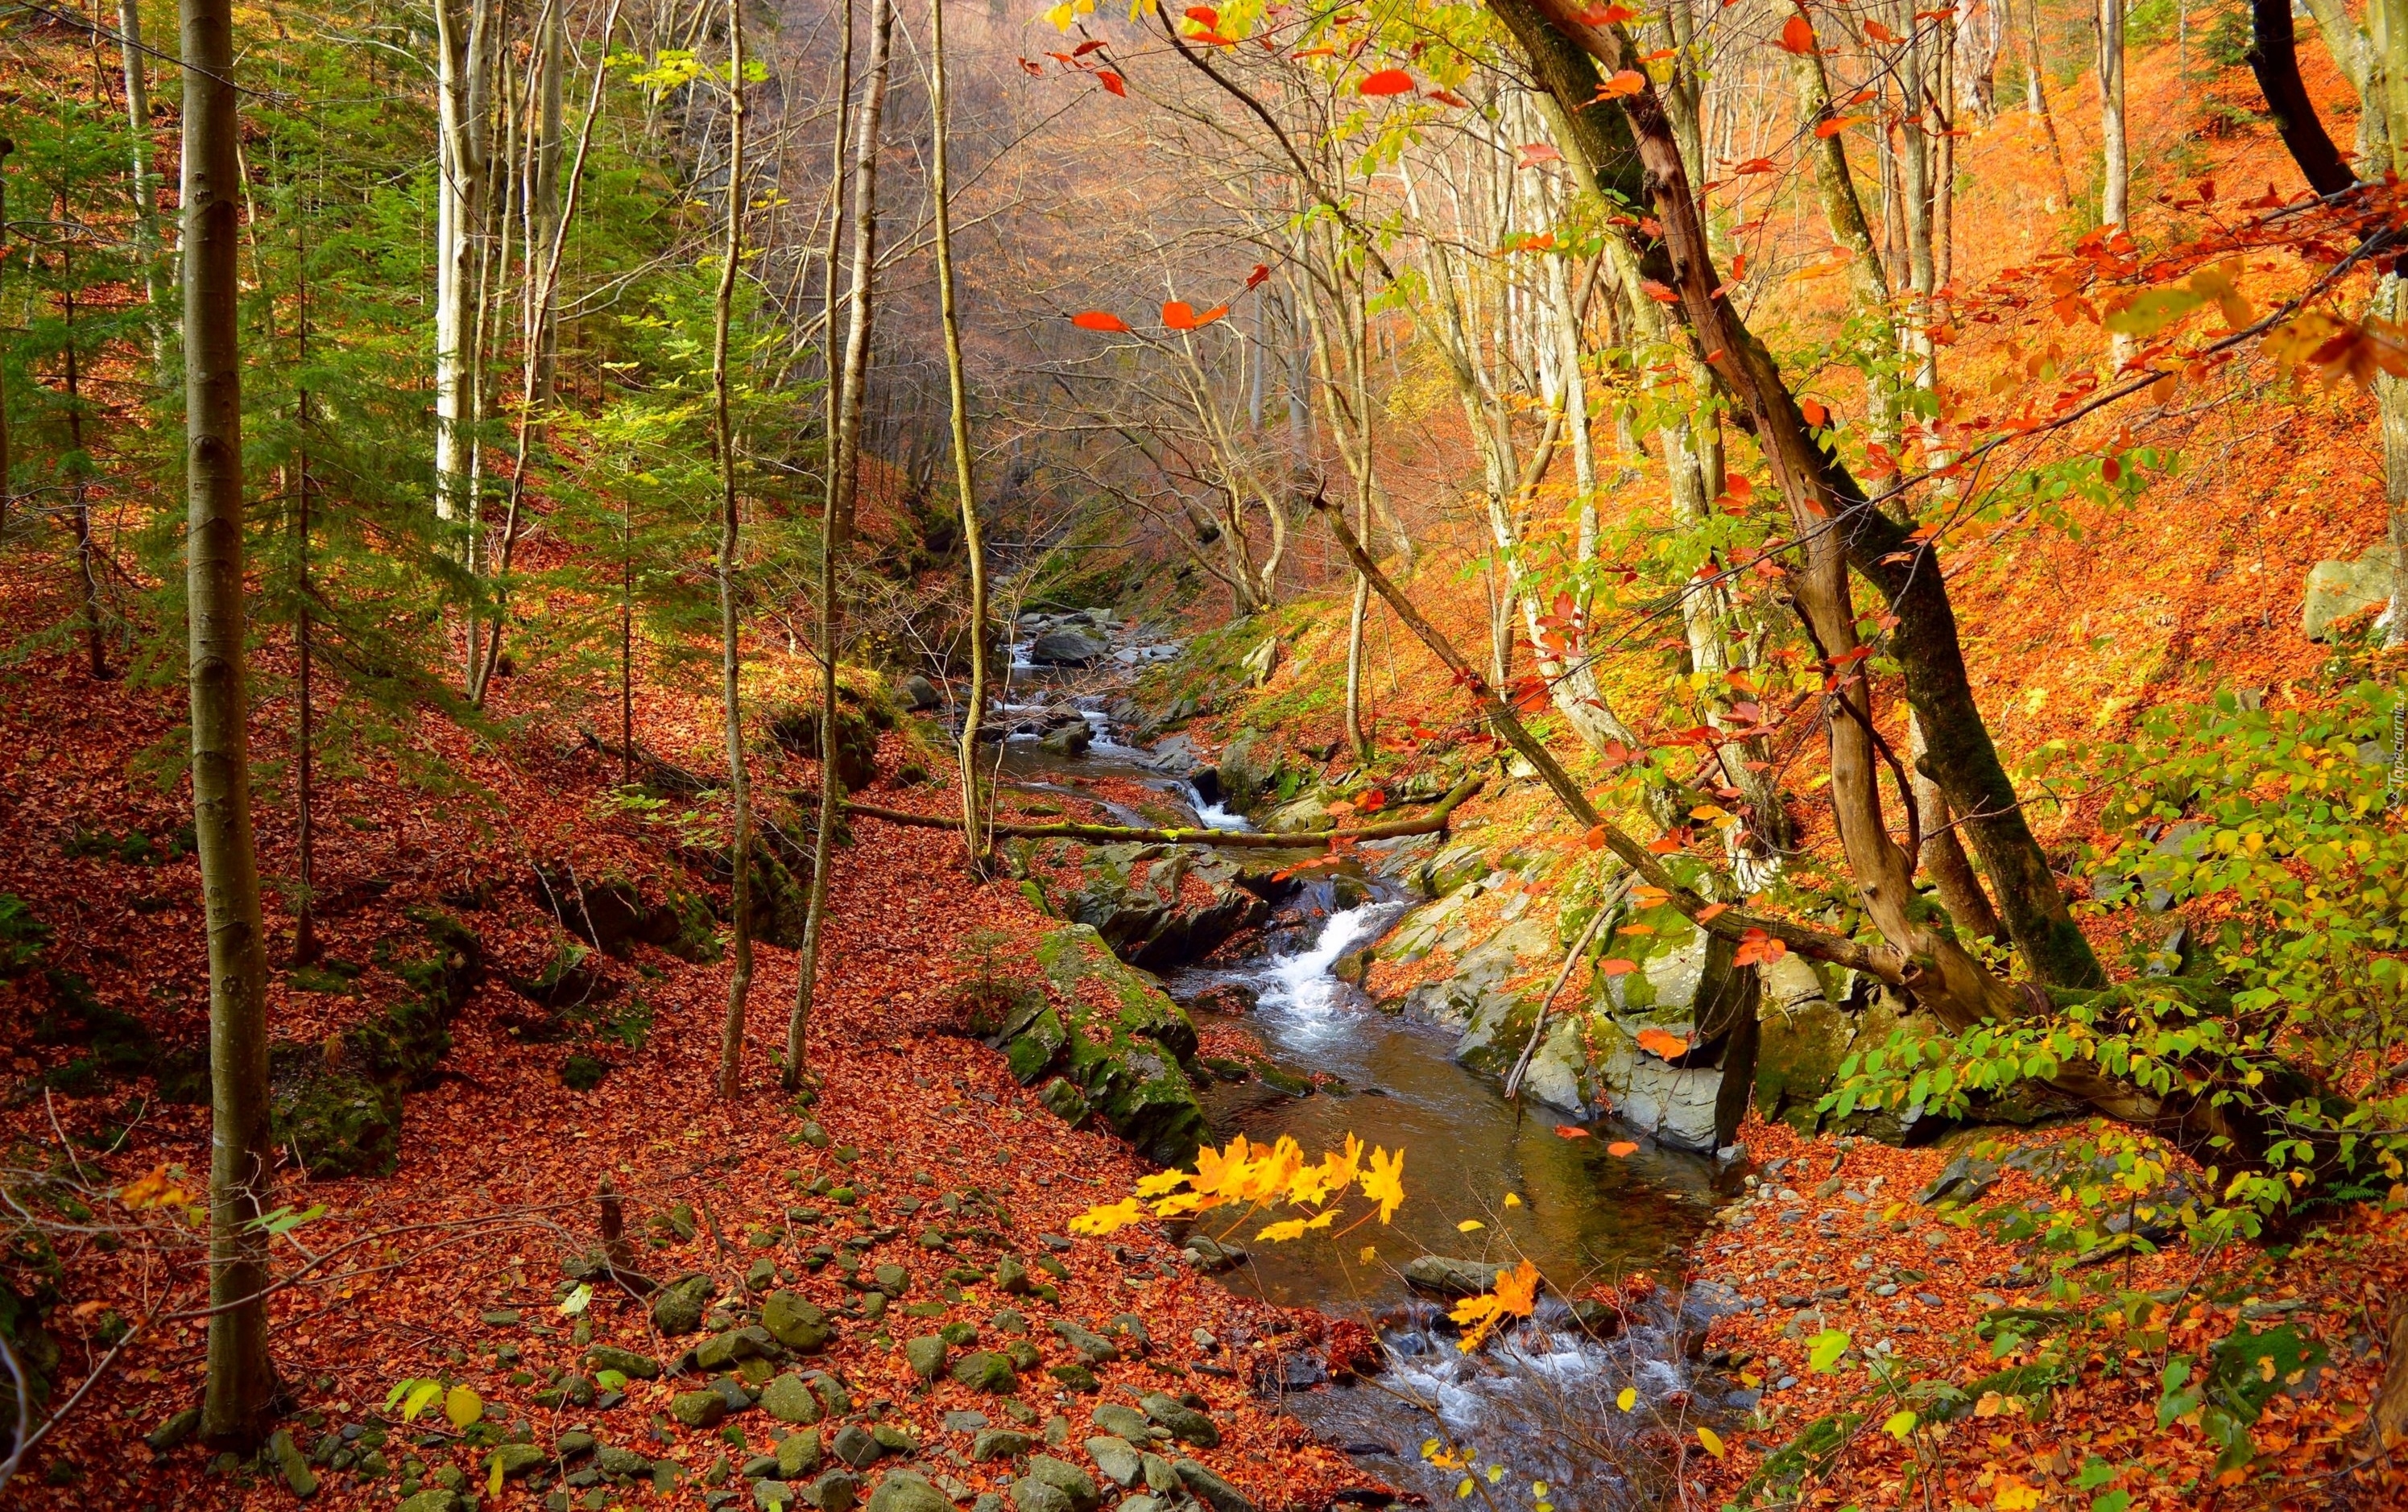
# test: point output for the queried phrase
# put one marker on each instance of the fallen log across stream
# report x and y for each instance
(1431, 822)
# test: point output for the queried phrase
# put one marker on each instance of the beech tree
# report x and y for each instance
(241, 1382)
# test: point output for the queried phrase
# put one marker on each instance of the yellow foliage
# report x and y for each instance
(1515, 1294)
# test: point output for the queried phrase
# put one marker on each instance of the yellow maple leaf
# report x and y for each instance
(1515, 1294)
(1295, 1228)
(1160, 1182)
(1383, 1181)
(1109, 1217)
(2017, 1496)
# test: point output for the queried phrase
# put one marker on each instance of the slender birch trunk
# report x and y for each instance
(731, 650)
(240, 1384)
(835, 523)
(145, 185)
(957, 390)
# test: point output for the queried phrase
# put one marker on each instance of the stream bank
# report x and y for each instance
(1256, 958)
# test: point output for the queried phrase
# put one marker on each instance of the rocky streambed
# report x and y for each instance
(1159, 946)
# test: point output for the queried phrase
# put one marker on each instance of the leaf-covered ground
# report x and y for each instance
(451, 1267)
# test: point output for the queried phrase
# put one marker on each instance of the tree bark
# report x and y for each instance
(844, 481)
(543, 194)
(145, 186)
(463, 100)
(957, 392)
(731, 649)
(240, 1387)
(2036, 96)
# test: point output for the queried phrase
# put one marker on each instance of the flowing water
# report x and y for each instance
(1541, 1399)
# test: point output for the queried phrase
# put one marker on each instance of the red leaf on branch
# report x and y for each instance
(1628, 81)
(1798, 35)
(1534, 153)
(1386, 81)
(1817, 414)
(1112, 82)
(1098, 320)
(1255, 279)
(1086, 48)
(1659, 293)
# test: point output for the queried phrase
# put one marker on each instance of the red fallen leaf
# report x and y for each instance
(1628, 81)
(1112, 82)
(1534, 153)
(1662, 1042)
(1386, 81)
(1817, 413)
(1086, 48)
(1098, 320)
(1447, 97)
(1261, 272)
(1616, 966)
(1798, 35)
(1659, 293)
(1567, 1131)
(1621, 1147)
(1371, 802)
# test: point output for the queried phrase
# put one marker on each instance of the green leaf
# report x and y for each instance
(463, 1407)
(421, 1396)
(610, 1380)
(1824, 1349)
(578, 1300)
(1900, 1426)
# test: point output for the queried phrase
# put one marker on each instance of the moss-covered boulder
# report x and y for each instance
(336, 1104)
(613, 911)
(796, 727)
(1110, 1033)
(1139, 900)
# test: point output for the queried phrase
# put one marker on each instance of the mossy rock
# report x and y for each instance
(337, 1105)
(795, 728)
(1117, 1042)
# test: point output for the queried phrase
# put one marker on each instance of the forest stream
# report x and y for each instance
(1543, 1400)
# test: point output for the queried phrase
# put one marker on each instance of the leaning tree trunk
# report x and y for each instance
(731, 650)
(957, 391)
(835, 523)
(240, 1384)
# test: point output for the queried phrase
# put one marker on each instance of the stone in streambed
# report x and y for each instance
(903, 1491)
(1446, 1276)
(698, 1409)
(999, 1444)
(1184, 1422)
(1124, 1422)
(679, 1306)
(926, 1355)
(797, 1324)
(1117, 1458)
(798, 1454)
(1216, 1494)
(1068, 1478)
(789, 1399)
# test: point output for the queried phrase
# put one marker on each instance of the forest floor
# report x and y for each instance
(451, 1266)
